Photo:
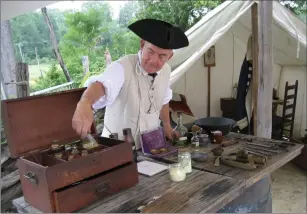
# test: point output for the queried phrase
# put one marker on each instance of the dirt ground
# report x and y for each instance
(289, 189)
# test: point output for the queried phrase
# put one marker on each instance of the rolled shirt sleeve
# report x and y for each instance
(168, 95)
(112, 79)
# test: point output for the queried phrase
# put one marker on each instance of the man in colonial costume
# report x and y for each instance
(134, 89)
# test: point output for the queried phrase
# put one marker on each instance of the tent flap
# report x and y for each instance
(287, 29)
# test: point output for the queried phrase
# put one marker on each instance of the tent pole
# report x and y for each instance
(209, 91)
(262, 84)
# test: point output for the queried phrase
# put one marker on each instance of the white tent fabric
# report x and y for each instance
(11, 9)
(228, 27)
(217, 22)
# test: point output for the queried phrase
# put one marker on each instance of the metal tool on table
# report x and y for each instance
(268, 147)
(242, 159)
(278, 142)
(257, 152)
(233, 160)
(229, 143)
(259, 148)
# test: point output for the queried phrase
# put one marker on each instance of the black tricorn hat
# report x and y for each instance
(160, 33)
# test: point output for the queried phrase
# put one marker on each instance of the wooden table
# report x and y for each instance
(199, 192)
(206, 189)
(248, 176)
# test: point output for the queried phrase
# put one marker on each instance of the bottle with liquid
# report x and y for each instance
(84, 153)
(195, 140)
(75, 152)
(58, 155)
(129, 139)
(55, 148)
(182, 130)
(68, 150)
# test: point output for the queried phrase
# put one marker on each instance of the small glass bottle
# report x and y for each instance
(181, 129)
(55, 148)
(67, 150)
(58, 155)
(75, 152)
(195, 140)
(84, 153)
(129, 138)
(70, 157)
(55, 145)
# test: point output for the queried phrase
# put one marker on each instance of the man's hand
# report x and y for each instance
(169, 132)
(83, 118)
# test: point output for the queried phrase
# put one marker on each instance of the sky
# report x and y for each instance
(65, 5)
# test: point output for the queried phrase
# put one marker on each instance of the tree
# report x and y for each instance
(30, 31)
(298, 7)
(183, 14)
(127, 13)
(88, 33)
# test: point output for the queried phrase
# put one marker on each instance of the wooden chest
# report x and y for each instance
(59, 185)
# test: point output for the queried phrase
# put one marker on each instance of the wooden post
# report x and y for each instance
(38, 62)
(209, 62)
(54, 42)
(108, 56)
(8, 60)
(85, 64)
(4, 93)
(22, 79)
(262, 83)
(20, 51)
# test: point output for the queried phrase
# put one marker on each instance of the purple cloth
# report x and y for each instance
(156, 140)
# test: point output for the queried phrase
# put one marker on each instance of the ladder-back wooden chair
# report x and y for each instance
(288, 112)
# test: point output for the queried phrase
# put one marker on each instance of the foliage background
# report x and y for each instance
(93, 29)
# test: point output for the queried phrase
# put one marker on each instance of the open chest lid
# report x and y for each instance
(32, 123)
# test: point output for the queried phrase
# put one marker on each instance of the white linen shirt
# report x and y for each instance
(113, 79)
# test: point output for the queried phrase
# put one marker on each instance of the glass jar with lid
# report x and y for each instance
(184, 158)
(177, 172)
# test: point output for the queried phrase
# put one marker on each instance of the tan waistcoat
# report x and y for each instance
(129, 110)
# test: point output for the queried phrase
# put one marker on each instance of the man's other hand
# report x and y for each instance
(170, 133)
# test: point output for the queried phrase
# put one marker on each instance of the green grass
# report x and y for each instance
(35, 73)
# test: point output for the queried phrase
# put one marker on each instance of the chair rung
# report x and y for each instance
(290, 87)
(290, 97)
(289, 106)
(288, 116)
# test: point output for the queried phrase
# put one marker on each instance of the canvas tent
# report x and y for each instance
(11, 9)
(228, 27)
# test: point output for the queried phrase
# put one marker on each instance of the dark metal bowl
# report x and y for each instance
(199, 156)
(216, 124)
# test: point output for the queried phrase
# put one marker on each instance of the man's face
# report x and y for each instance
(153, 57)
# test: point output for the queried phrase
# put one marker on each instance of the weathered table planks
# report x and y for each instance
(248, 176)
(206, 189)
(199, 192)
